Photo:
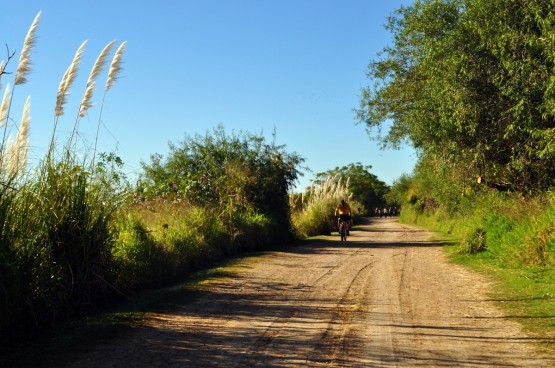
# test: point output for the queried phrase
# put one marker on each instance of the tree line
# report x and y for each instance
(471, 85)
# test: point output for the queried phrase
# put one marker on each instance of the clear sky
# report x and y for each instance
(296, 66)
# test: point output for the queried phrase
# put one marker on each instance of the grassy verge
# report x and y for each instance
(511, 240)
(525, 294)
(71, 339)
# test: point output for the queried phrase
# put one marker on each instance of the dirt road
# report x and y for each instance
(387, 298)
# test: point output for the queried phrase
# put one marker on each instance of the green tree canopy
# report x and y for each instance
(241, 171)
(471, 81)
(364, 186)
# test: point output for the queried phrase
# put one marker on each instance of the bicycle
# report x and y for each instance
(343, 229)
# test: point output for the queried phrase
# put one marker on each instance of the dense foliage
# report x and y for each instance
(471, 83)
(314, 209)
(235, 173)
(74, 235)
(363, 186)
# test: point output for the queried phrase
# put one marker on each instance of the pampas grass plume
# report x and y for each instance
(97, 68)
(67, 80)
(87, 97)
(22, 142)
(100, 62)
(8, 160)
(4, 107)
(115, 67)
(24, 66)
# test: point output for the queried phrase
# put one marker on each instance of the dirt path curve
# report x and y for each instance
(387, 298)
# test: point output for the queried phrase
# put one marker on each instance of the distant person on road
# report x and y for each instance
(343, 212)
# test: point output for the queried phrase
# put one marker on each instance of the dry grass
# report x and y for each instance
(96, 70)
(68, 79)
(24, 66)
(115, 66)
(318, 202)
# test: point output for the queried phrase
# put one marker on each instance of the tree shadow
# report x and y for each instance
(266, 327)
(274, 324)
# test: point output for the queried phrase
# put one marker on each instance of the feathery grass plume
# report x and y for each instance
(8, 159)
(115, 67)
(86, 102)
(4, 113)
(22, 141)
(61, 95)
(63, 90)
(67, 80)
(97, 68)
(100, 62)
(24, 66)
(4, 107)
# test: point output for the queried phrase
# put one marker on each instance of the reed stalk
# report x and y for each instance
(22, 71)
(113, 74)
(63, 91)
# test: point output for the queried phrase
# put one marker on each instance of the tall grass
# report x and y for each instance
(161, 240)
(511, 230)
(73, 238)
(55, 236)
(315, 213)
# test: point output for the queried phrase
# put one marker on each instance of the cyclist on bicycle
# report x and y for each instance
(343, 210)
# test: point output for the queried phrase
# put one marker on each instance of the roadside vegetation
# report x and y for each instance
(54, 215)
(469, 83)
(313, 209)
(76, 237)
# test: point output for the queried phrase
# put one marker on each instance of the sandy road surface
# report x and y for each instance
(387, 298)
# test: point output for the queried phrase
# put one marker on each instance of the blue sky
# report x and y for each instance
(296, 66)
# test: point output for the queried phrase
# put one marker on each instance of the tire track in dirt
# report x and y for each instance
(342, 329)
(312, 290)
(386, 298)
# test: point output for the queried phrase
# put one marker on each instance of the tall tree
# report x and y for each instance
(471, 81)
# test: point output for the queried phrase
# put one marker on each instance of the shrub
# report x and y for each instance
(474, 242)
(316, 216)
(138, 261)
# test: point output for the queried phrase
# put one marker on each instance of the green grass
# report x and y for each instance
(511, 241)
(526, 295)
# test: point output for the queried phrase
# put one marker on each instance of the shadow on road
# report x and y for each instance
(280, 324)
